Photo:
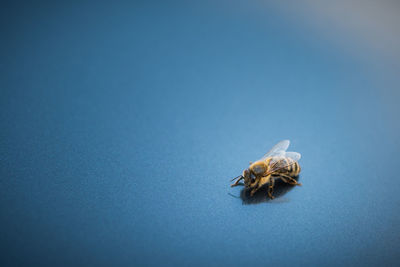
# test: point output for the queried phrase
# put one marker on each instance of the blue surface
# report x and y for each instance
(122, 125)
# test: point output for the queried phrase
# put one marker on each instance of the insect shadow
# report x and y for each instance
(280, 189)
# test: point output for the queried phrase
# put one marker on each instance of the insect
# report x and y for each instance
(276, 164)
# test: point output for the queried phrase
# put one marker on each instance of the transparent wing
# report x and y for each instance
(287, 160)
(278, 150)
(293, 155)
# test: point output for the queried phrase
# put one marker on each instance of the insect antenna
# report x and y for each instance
(236, 177)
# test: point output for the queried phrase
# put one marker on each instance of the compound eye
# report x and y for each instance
(253, 178)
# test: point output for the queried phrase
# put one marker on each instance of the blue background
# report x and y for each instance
(121, 126)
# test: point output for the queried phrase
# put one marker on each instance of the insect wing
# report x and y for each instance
(278, 150)
(284, 162)
(293, 155)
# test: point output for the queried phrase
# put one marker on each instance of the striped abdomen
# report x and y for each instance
(285, 166)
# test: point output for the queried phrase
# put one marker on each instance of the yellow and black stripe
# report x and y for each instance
(285, 166)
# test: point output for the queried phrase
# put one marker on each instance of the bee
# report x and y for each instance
(276, 164)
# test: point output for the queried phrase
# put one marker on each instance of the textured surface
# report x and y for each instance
(122, 125)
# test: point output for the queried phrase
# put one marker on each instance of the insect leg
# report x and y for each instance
(255, 189)
(261, 181)
(271, 187)
(284, 179)
(289, 180)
